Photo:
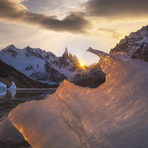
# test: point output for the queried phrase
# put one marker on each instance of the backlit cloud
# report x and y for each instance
(114, 33)
(17, 13)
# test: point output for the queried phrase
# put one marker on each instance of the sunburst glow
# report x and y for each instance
(82, 64)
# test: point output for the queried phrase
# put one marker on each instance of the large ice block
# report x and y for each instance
(114, 115)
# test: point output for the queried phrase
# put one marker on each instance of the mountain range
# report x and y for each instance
(135, 45)
(46, 67)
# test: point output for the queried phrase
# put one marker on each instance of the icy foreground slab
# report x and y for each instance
(113, 115)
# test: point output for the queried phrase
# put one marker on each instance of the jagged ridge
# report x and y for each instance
(135, 45)
(45, 66)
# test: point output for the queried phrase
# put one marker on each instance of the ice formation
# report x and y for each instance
(12, 89)
(2, 93)
(2, 86)
(113, 115)
(13, 86)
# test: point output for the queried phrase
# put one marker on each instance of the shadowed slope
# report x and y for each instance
(9, 74)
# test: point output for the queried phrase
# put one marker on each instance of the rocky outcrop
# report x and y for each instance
(68, 59)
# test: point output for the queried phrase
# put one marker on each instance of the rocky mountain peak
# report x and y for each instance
(45, 66)
(36, 52)
(144, 28)
(66, 52)
(135, 45)
(75, 59)
(10, 47)
(68, 59)
(11, 50)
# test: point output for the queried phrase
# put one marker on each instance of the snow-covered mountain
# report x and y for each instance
(39, 64)
(47, 67)
(9, 74)
(135, 45)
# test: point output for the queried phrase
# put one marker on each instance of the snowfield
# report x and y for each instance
(114, 115)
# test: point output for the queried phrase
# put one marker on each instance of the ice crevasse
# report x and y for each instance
(114, 115)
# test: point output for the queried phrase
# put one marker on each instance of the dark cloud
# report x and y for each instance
(74, 22)
(117, 8)
(114, 33)
(40, 5)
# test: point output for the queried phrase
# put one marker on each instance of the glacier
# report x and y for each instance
(113, 115)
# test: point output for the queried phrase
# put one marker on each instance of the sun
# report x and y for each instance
(82, 64)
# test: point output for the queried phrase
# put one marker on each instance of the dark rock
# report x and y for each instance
(90, 78)
(68, 59)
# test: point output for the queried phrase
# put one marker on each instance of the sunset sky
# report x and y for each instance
(53, 25)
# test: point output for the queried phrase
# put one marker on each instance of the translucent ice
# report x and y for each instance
(13, 86)
(114, 115)
(2, 86)
(12, 89)
(2, 93)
